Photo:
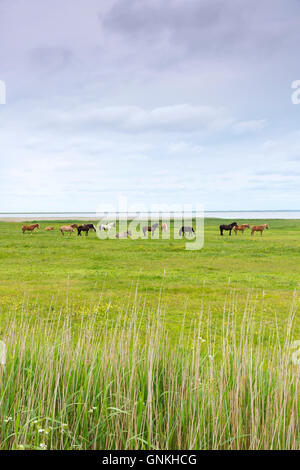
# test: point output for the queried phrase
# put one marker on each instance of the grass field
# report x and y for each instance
(141, 344)
(104, 389)
(47, 269)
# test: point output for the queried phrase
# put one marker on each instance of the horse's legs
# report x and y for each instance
(221, 232)
(86, 233)
(230, 232)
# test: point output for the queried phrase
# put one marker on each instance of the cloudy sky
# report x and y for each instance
(159, 101)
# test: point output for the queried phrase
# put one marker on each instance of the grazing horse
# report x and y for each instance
(68, 228)
(227, 227)
(124, 234)
(259, 228)
(107, 226)
(85, 228)
(185, 230)
(29, 228)
(49, 228)
(150, 228)
(164, 227)
(241, 228)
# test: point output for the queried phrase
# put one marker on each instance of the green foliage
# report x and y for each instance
(102, 275)
(93, 388)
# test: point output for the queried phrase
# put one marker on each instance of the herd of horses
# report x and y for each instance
(65, 228)
(147, 228)
(241, 228)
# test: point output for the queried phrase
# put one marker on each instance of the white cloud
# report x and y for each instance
(249, 126)
(178, 118)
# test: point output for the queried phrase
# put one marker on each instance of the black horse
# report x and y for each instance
(85, 228)
(227, 227)
(185, 230)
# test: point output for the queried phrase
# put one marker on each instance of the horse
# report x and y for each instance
(164, 227)
(49, 228)
(241, 228)
(68, 228)
(124, 234)
(107, 227)
(185, 230)
(259, 228)
(150, 228)
(227, 227)
(85, 228)
(29, 228)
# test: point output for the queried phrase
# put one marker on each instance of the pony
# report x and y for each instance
(227, 227)
(150, 228)
(185, 230)
(85, 228)
(29, 228)
(49, 228)
(259, 228)
(68, 228)
(124, 234)
(164, 227)
(241, 228)
(107, 226)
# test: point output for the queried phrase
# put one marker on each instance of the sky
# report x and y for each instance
(153, 101)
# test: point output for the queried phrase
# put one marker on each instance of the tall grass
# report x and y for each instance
(128, 387)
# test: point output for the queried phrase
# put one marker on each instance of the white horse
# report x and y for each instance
(164, 227)
(107, 227)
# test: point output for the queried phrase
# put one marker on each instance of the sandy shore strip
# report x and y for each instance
(41, 219)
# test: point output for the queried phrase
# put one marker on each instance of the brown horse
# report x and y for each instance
(49, 228)
(259, 228)
(29, 228)
(241, 228)
(68, 228)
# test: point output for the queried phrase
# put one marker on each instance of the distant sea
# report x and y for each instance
(230, 215)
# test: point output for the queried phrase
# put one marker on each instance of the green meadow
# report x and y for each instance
(142, 344)
(48, 271)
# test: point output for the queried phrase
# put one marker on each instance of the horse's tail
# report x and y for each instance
(180, 232)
